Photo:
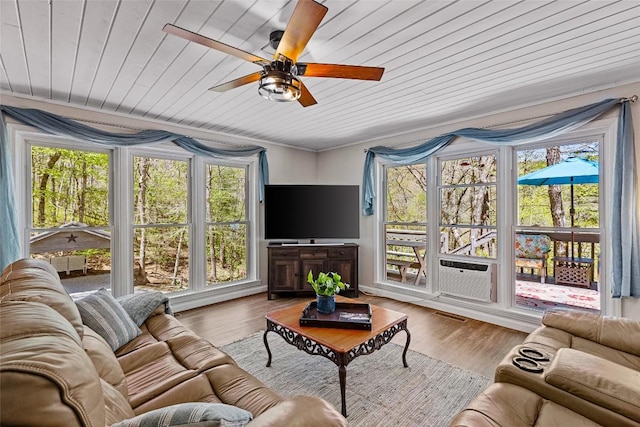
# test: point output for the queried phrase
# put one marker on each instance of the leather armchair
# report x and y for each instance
(586, 363)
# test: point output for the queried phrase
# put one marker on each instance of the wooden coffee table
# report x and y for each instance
(340, 346)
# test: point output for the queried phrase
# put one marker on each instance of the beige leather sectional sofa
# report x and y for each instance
(577, 369)
(54, 371)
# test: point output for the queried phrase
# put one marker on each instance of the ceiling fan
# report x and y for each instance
(279, 78)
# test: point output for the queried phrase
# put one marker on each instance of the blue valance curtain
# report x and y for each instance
(61, 126)
(625, 230)
(9, 234)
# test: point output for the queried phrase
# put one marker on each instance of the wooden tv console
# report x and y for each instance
(290, 265)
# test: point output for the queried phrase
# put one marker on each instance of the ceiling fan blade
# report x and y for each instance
(213, 44)
(303, 23)
(340, 71)
(253, 77)
(306, 99)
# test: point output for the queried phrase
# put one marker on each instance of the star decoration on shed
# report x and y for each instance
(71, 238)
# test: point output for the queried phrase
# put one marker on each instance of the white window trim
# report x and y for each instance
(503, 311)
(22, 136)
(458, 154)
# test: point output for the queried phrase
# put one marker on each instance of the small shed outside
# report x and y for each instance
(70, 237)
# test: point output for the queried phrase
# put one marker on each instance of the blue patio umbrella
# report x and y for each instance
(571, 171)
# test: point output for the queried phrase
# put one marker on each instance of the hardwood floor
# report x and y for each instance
(463, 342)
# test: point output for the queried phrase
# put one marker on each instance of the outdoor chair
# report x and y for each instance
(531, 252)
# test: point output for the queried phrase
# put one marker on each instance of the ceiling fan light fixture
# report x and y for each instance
(279, 86)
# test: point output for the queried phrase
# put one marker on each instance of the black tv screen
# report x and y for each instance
(312, 212)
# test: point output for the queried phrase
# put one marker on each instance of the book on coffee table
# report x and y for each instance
(345, 315)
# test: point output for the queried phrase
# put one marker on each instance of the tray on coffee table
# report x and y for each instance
(347, 316)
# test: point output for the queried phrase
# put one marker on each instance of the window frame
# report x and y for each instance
(384, 223)
(162, 153)
(497, 184)
(603, 132)
(246, 221)
(121, 213)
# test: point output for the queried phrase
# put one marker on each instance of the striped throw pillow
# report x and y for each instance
(215, 414)
(101, 312)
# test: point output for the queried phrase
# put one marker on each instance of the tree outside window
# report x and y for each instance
(227, 224)
(405, 223)
(70, 222)
(161, 230)
(468, 206)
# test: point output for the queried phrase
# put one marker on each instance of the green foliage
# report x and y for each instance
(165, 190)
(73, 185)
(327, 283)
(406, 193)
(69, 185)
(227, 246)
(226, 193)
(468, 205)
(534, 205)
(226, 211)
(468, 197)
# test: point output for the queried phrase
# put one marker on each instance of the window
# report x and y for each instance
(70, 216)
(161, 228)
(467, 192)
(557, 235)
(227, 223)
(167, 213)
(405, 224)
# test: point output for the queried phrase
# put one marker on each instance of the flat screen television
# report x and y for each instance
(312, 212)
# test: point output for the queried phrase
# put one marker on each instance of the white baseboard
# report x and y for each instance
(200, 299)
(509, 319)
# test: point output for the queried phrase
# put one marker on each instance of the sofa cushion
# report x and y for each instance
(554, 339)
(102, 313)
(301, 411)
(611, 354)
(612, 332)
(104, 360)
(236, 387)
(597, 380)
(164, 327)
(46, 378)
(150, 371)
(144, 339)
(217, 414)
(37, 281)
(508, 405)
(116, 406)
(196, 389)
(197, 353)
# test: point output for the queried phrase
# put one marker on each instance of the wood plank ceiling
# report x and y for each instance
(444, 60)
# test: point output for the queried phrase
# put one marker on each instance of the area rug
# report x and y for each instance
(542, 295)
(380, 391)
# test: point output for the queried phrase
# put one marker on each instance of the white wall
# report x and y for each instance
(286, 166)
(345, 165)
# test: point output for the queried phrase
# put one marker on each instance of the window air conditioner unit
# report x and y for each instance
(466, 279)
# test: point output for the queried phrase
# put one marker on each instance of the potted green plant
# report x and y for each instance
(326, 285)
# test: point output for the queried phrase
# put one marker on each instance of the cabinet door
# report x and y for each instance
(284, 274)
(315, 265)
(344, 267)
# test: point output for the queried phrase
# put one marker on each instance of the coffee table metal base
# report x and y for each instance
(341, 359)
